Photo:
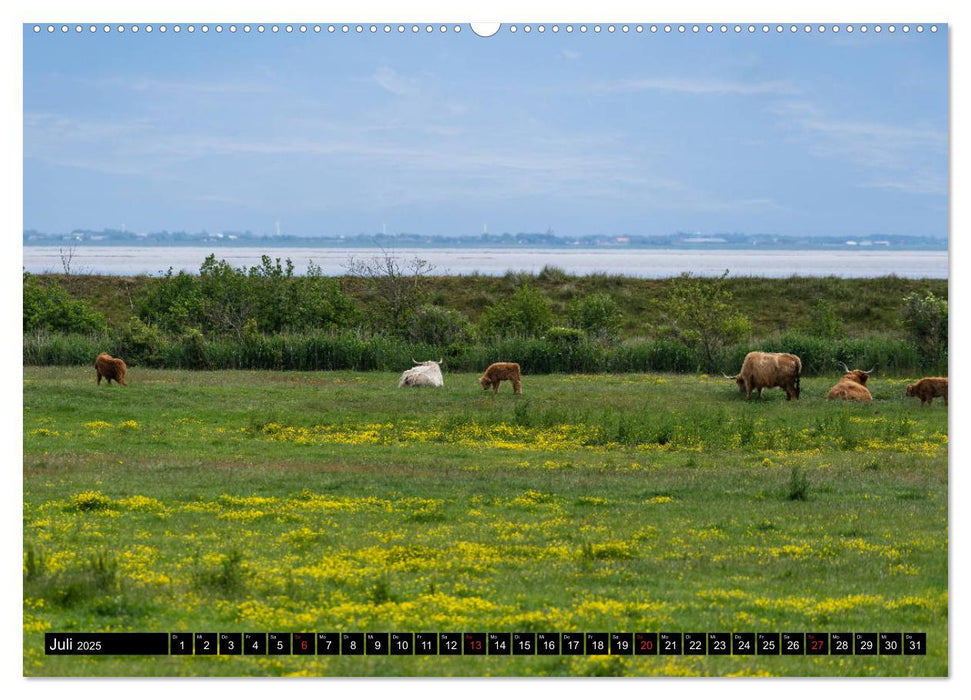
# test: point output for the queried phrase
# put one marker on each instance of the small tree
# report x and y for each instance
(226, 304)
(700, 314)
(596, 315)
(322, 303)
(398, 290)
(274, 294)
(925, 318)
(282, 301)
(72, 271)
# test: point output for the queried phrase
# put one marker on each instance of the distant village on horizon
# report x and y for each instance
(678, 240)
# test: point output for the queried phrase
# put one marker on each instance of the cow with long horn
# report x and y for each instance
(427, 373)
(852, 385)
(764, 370)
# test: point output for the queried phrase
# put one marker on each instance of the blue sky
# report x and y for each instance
(442, 134)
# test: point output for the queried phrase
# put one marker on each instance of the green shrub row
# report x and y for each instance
(356, 351)
(53, 308)
(267, 318)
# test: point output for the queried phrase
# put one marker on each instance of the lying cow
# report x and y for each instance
(764, 370)
(427, 373)
(499, 371)
(110, 368)
(852, 385)
(927, 388)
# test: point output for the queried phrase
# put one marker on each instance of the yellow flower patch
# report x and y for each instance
(44, 432)
(659, 499)
(137, 564)
(143, 503)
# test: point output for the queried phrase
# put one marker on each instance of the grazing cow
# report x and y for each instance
(927, 388)
(427, 373)
(497, 372)
(110, 368)
(852, 385)
(764, 370)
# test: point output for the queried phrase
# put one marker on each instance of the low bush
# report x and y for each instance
(435, 325)
(925, 320)
(526, 314)
(597, 315)
(139, 343)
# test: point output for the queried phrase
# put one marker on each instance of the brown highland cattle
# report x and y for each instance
(764, 370)
(499, 371)
(927, 388)
(852, 385)
(110, 368)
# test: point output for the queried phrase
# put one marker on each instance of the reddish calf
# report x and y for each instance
(927, 388)
(500, 371)
(110, 368)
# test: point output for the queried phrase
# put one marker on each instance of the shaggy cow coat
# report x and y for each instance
(764, 370)
(110, 368)
(927, 388)
(500, 371)
(851, 387)
(426, 373)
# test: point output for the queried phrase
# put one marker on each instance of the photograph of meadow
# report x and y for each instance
(262, 465)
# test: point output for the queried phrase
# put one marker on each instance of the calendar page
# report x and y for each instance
(516, 349)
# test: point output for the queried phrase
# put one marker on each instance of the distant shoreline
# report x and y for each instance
(486, 241)
(330, 245)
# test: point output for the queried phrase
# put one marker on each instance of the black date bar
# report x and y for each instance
(113, 643)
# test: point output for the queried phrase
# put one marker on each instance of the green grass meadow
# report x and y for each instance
(266, 501)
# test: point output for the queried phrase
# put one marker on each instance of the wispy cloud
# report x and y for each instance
(545, 166)
(410, 170)
(901, 157)
(701, 86)
(719, 204)
(919, 183)
(74, 130)
(888, 134)
(394, 82)
(179, 87)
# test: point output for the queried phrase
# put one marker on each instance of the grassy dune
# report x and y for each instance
(261, 501)
(773, 305)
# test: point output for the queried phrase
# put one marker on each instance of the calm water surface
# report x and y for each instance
(860, 262)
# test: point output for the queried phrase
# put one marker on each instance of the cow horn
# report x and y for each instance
(727, 377)
(415, 362)
(869, 371)
(845, 368)
(441, 360)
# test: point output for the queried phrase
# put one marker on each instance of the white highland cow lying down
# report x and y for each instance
(426, 373)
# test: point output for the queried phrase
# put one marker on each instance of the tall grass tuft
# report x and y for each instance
(35, 562)
(227, 576)
(93, 578)
(798, 485)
